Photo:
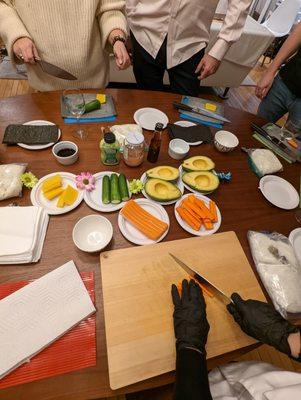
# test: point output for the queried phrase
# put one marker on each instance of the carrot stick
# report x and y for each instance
(208, 224)
(204, 208)
(213, 210)
(189, 219)
(194, 208)
(186, 206)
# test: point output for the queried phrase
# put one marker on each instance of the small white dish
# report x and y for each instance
(38, 122)
(295, 239)
(178, 149)
(38, 199)
(279, 192)
(202, 231)
(92, 233)
(148, 117)
(186, 124)
(178, 183)
(225, 141)
(188, 187)
(94, 198)
(134, 235)
(65, 145)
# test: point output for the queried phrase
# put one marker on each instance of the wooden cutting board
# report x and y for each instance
(138, 307)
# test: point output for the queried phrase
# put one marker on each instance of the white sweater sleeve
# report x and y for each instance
(111, 16)
(11, 26)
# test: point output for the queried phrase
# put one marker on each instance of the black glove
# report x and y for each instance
(262, 322)
(190, 321)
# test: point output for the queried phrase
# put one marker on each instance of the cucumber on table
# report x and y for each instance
(123, 188)
(115, 194)
(92, 106)
(106, 190)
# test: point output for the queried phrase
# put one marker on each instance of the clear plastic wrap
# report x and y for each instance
(10, 183)
(263, 162)
(279, 270)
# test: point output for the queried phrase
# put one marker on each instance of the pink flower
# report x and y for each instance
(85, 181)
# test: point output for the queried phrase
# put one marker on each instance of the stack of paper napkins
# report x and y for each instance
(41, 312)
(22, 234)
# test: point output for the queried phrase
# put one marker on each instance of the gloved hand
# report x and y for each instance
(262, 322)
(190, 321)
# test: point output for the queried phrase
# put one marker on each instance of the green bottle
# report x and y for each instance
(109, 149)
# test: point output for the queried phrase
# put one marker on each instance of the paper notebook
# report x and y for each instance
(39, 313)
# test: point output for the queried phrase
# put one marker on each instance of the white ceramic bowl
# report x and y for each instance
(178, 149)
(92, 233)
(65, 145)
(225, 141)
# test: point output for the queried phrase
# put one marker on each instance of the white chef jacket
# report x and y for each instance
(253, 380)
(186, 24)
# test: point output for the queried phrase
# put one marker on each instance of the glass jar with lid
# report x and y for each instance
(133, 150)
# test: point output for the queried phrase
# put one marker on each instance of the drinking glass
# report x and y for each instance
(75, 103)
(289, 130)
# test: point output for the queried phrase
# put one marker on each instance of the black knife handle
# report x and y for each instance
(180, 106)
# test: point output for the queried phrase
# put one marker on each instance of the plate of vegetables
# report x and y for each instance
(198, 215)
(110, 194)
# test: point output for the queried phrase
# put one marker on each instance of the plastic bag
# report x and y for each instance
(10, 183)
(279, 270)
(263, 162)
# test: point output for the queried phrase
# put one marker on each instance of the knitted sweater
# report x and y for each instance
(71, 34)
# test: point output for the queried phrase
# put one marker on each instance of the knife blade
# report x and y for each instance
(201, 111)
(219, 294)
(53, 70)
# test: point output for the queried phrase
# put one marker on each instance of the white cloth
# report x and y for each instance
(22, 234)
(253, 380)
(36, 315)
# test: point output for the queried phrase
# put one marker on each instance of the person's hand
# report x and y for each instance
(190, 320)
(262, 322)
(25, 50)
(121, 54)
(208, 66)
(264, 84)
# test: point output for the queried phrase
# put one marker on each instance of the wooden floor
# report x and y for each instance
(241, 98)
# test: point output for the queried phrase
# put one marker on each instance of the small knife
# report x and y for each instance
(53, 70)
(195, 275)
(201, 111)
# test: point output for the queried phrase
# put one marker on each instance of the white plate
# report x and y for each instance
(186, 124)
(134, 235)
(295, 239)
(279, 192)
(178, 183)
(188, 187)
(94, 198)
(38, 146)
(148, 117)
(202, 231)
(38, 199)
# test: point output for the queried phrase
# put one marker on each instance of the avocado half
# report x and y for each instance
(160, 190)
(165, 173)
(198, 163)
(202, 181)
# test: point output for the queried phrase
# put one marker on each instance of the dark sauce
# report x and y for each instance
(67, 152)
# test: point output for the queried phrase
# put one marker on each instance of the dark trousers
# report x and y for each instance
(149, 71)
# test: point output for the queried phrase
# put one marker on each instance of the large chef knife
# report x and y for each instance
(55, 71)
(201, 111)
(199, 278)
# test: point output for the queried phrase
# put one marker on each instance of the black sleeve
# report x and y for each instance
(191, 376)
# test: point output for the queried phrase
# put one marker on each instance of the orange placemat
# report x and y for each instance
(75, 350)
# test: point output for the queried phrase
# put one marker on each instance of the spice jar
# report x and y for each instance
(109, 149)
(133, 150)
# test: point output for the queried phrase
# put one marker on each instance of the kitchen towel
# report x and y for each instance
(36, 315)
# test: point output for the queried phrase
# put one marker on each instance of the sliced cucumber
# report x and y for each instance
(123, 188)
(115, 194)
(106, 190)
(92, 106)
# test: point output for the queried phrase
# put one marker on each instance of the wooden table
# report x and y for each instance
(242, 206)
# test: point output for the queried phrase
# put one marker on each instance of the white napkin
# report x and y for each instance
(36, 315)
(22, 234)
